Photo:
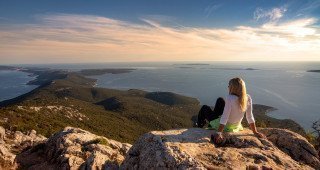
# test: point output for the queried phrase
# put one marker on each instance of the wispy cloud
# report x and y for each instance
(87, 38)
(309, 7)
(210, 8)
(292, 29)
(272, 15)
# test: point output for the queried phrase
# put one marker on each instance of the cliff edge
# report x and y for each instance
(74, 148)
(192, 149)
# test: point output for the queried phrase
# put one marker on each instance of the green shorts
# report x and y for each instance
(214, 124)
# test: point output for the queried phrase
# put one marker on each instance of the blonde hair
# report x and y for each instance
(238, 87)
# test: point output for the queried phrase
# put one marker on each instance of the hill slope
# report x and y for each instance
(73, 101)
(70, 99)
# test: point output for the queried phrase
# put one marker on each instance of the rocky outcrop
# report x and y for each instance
(14, 142)
(296, 146)
(74, 148)
(192, 149)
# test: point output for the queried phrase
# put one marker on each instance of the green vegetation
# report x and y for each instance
(169, 98)
(312, 138)
(94, 72)
(73, 101)
(102, 141)
(264, 121)
(69, 99)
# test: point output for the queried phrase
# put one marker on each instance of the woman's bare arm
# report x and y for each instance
(221, 127)
(254, 130)
(253, 127)
(219, 137)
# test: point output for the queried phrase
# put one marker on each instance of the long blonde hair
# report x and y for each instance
(238, 87)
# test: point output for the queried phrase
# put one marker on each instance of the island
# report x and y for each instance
(251, 69)
(197, 64)
(95, 72)
(7, 68)
(185, 67)
(193, 64)
(225, 68)
(314, 71)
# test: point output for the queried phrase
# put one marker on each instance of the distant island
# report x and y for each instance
(189, 66)
(251, 69)
(47, 75)
(314, 71)
(185, 67)
(95, 72)
(7, 68)
(223, 68)
(194, 64)
(197, 64)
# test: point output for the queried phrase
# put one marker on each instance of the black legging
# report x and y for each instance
(206, 114)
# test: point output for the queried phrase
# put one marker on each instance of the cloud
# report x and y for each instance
(272, 15)
(309, 7)
(292, 29)
(61, 38)
(210, 8)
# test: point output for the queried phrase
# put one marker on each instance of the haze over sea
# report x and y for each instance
(283, 85)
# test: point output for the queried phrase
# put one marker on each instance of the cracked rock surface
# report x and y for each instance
(191, 149)
(74, 148)
(12, 142)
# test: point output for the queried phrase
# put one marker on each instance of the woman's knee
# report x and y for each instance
(205, 107)
(220, 103)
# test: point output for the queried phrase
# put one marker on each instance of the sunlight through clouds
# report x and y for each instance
(87, 38)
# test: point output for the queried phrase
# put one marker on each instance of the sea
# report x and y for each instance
(13, 83)
(286, 86)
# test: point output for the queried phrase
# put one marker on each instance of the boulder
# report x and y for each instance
(293, 144)
(14, 142)
(74, 148)
(192, 149)
(7, 159)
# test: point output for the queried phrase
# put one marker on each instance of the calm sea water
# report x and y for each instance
(283, 85)
(13, 84)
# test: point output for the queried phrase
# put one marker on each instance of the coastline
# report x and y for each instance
(55, 80)
(264, 121)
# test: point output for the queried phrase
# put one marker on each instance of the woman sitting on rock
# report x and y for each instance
(228, 114)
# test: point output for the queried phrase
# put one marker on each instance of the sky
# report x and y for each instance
(82, 31)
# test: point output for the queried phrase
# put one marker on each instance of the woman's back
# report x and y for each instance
(232, 113)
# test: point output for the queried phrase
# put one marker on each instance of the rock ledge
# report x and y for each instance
(191, 149)
(74, 148)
